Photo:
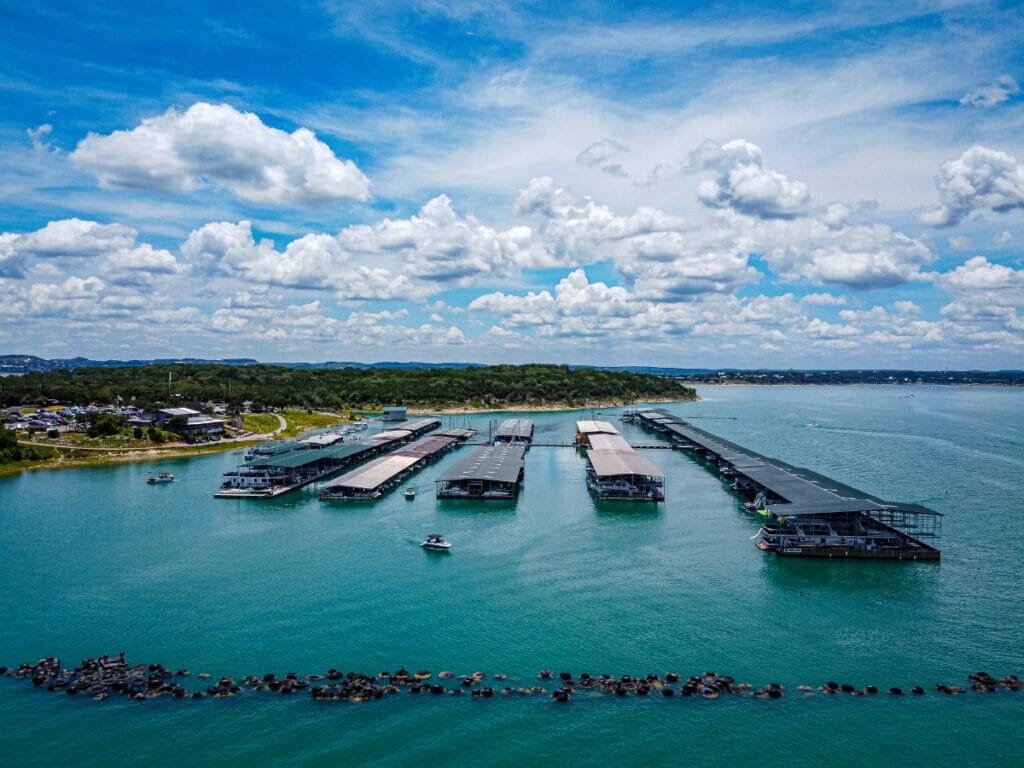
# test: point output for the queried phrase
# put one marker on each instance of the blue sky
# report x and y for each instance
(742, 185)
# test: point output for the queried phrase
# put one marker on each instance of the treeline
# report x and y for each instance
(162, 385)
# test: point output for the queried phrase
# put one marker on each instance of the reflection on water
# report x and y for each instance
(827, 578)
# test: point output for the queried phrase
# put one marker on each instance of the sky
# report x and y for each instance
(691, 185)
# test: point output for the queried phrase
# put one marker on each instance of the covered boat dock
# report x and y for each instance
(808, 514)
(276, 468)
(372, 480)
(516, 431)
(586, 428)
(490, 472)
(615, 470)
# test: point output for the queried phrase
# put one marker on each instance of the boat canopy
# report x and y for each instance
(612, 463)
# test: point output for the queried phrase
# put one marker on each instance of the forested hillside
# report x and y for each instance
(269, 385)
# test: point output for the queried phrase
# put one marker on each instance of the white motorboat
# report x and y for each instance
(436, 543)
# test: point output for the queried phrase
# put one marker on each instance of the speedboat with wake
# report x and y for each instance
(435, 542)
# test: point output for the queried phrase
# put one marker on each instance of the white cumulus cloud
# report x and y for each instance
(744, 184)
(215, 144)
(980, 179)
(108, 248)
(861, 257)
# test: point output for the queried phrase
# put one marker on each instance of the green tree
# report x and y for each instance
(104, 424)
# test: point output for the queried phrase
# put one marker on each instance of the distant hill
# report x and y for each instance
(11, 365)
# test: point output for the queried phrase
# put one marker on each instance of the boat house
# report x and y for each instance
(490, 472)
(586, 428)
(808, 514)
(614, 469)
(516, 431)
(373, 479)
(275, 468)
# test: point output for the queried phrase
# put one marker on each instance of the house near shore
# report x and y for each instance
(198, 425)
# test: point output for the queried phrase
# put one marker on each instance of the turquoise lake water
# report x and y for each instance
(96, 561)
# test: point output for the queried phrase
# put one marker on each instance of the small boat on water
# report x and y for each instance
(410, 493)
(163, 477)
(436, 543)
(759, 505)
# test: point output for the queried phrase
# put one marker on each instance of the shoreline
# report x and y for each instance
(112, 456)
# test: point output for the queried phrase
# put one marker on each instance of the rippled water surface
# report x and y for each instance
(96, 560)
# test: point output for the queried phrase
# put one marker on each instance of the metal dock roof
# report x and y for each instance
(609, 442)
(420, 424)
(514, 429)
(426, 446)
(589, 427)
(300, 457)
(462, 433)
(611, 463)
(499, 463)
(804, 491)
(374, 474)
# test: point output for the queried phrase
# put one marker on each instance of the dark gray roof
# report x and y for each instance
(418, 425)
(500, 463)
(300, 457)
(805, 492)
(515, 428)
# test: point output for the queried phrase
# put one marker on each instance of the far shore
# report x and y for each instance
(546, 408)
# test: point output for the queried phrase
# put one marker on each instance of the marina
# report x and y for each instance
(615, 471)
(273, 469)
(558, 580)
(808, 514)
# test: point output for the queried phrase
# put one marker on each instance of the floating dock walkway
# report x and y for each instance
(273, 469)
(615, 471)
(808, 514)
